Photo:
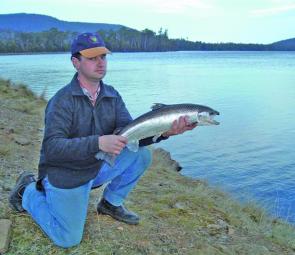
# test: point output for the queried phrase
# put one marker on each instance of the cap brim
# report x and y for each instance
(94, 52)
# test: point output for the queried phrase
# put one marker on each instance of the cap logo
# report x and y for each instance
(93, 39)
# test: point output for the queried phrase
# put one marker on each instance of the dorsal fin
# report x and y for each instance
(156, 106)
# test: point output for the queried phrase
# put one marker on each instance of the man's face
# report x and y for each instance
(93, 69)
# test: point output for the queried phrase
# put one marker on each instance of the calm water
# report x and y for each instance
(251, 154)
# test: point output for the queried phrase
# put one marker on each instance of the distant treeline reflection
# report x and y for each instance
(122, 40)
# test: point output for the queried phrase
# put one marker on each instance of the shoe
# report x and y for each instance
(117, 212)
(16, 195)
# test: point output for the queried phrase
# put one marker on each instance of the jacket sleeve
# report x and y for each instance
(58, 146)
(149, 140)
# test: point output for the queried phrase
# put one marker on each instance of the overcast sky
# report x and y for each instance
(257, 21)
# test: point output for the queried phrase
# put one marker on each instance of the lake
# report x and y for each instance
(251, 154)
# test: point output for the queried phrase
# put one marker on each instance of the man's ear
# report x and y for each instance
(76, 63)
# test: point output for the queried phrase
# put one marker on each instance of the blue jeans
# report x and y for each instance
(61, 213)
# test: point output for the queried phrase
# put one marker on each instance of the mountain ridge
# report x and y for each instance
(10, 24)
(26, 22)
(288, 44)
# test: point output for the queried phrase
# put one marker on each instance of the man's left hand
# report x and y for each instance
(179, 126)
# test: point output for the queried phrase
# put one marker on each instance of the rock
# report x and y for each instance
(166, 157)
(22, 141)
(10, 131)
(230, 231)
(222, 223)
(5, 229)
(180, 205)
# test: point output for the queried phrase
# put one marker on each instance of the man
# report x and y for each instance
(79, 122)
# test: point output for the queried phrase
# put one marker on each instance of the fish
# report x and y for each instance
(159, 120)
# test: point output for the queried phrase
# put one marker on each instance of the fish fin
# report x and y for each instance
(107, 157)
(156, 106)
(133, 145)
(155, 138)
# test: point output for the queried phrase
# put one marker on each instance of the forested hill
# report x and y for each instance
(24, 33)
(22, 22)
(288, 44)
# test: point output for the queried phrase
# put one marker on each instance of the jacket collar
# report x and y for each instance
(105, 91)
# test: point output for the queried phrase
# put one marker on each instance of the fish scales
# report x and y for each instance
(158, 121)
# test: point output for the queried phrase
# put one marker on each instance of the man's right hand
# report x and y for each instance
(113, 144)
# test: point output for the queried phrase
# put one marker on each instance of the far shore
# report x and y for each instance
(67, 52)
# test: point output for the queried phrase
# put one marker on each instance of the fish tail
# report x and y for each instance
(107, 157)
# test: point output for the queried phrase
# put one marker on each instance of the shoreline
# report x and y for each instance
(180, 215)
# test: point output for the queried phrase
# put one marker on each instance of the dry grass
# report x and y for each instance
(25, 100)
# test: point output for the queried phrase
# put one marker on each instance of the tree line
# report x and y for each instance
(122, 40)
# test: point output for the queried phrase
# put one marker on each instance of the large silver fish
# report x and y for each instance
(159, 120)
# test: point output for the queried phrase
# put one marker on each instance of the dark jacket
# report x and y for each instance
(72, 128)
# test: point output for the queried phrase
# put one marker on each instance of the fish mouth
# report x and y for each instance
(207, 118)
(214, 122)
(212, 115)
(209, 122)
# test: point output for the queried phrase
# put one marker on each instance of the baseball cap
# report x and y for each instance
(89, 45)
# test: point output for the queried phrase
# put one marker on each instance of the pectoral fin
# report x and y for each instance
(133, 146)
(107, 157)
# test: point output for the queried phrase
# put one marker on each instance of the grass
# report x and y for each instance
(27, 101)
(179, 215)
(4, 150)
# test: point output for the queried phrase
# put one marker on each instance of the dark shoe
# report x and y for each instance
(16, 195)
(117, 212)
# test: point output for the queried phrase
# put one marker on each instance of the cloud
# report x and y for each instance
(272, 11)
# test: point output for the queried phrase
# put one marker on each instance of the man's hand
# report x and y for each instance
(179, 126)
(112, 143)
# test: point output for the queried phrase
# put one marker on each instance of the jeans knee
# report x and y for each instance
(146, 157)
(69, 239)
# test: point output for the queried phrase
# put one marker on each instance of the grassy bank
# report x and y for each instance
(179, 215)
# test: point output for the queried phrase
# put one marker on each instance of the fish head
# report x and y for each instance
(207, 118)
(204, 116)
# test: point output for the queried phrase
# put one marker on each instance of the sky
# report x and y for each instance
(245, 21)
